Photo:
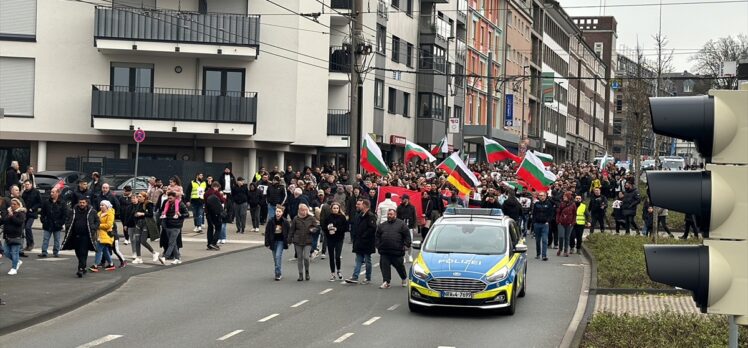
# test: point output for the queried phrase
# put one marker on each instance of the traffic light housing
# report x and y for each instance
(717, 271)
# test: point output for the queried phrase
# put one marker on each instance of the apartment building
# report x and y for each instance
(518, 49)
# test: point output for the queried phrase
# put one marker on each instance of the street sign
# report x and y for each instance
(139, 136)
(454, 125)
(615, 84)
(509, 111)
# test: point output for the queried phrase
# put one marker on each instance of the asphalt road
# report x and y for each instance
(232, 301)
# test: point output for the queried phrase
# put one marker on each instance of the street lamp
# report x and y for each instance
(558, 120)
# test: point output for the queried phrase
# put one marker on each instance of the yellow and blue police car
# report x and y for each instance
(471, 258)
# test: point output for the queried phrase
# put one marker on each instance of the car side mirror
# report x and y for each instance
(416, 244)
(520, 248)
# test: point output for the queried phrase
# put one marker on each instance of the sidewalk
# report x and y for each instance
(644, 304)
(46, 287)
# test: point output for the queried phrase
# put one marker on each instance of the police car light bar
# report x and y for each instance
(474, 211)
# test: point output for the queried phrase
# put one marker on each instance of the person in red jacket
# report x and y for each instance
(565, 215)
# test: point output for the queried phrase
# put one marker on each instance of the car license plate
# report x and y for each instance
(457, 294)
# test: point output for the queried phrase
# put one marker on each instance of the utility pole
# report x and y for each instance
(489, 100)
(357, 91)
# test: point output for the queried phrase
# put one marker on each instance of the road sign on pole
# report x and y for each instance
(454, 125)
(139, 137)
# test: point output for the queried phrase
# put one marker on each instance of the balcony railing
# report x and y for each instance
(175, 26)
(338, 122)
(340, 59)
(460, 50)
(431, 24)
(173, 104)
(432, 63)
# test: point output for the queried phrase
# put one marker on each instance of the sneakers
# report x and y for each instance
(323, 256)
(292, 259)
(13, 271)
(137, 261)
(110, 268)
(545, 259)
(278, 278)
(537, 257)
(558, 253)
(352, 280)
(123, 264)
(566, 254)
(19, 264)
(176, 262)
(385, 285)
(365, 282)
(332, 277)
(405, 283)
(94, 269)
(162, 260)
(127, 242)
(340, 276)
(196, 229)
(155, 256)
(41, 255)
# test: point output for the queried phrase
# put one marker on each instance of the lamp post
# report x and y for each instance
(558, 121)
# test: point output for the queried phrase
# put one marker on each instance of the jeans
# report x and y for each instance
(315, 241)
(303, 252)
(254, 212)
(271, 212)
(173, 249)
(55, 246)
(361, 259)
(29, 232)
(197, 212)
(13, 252)
(222, 235)
(139, 238)
(523, 223)
(564, 234)
(541, 238)
(277, 249)
(102, 255)
(335, 247)
(386, 260)
(241, 216)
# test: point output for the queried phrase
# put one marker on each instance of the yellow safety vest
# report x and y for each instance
(198, 190)
(581, 209)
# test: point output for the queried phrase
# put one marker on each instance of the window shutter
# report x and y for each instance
(18, 17)
(17, 86)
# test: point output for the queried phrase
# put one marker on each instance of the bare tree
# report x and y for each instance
(709, 59)
(636, 99)
(664, 65)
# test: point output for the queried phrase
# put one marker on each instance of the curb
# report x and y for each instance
(614, 291)
(589, 304)
(53, 313)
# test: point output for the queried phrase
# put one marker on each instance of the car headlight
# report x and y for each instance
(499, 275)
(419, 272)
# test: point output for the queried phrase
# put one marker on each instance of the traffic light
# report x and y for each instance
(717, 271)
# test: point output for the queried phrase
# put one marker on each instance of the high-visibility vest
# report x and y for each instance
(581, 209)
(198, 190)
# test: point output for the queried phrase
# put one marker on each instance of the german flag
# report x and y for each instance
(459, 175)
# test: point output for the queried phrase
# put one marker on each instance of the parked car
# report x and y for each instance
(66, 180)
(118, 182)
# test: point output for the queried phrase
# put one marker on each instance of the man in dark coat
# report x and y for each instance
(33, 204)
(364, 242)
(12, 176)
(392, 239)
(631, 200)
(54, 215)
(214, 201)
(511, 207)
(81, 233)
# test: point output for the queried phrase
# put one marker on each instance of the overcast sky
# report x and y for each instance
(687, 27)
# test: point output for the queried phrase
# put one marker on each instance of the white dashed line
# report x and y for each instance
(271, 316)
(343, 338)
(229, 335)
(394, 307)
(299, 303)
(371, 321)
(100, 341)
(445, 347)
(326, 291)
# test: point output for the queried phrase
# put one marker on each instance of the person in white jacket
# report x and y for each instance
(384, 207)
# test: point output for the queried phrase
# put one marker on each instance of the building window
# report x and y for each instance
(17, 86)
(409, 7)
(396, 3)
(458, 114)
(18, 20)
(688, 86)
(599, 49)
(432, 58)
(619, 103)
(381, 39)
(131, 77)
(395, 48)
(459, 75)
(391, 100)
(406, 104)
(378, 94)
(409, 56)
(223, 82)
(431, 106)
(617, 126)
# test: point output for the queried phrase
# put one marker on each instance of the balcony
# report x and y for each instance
(431, 24)
(341, 4)
(460, 50)
(437, 64)
(173, 110)
(340, 59)
(338, 122)
(127, 30)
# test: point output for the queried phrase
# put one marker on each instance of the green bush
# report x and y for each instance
(664, 329)
(620, 260)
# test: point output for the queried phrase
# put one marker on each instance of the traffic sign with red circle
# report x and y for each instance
(139, 135)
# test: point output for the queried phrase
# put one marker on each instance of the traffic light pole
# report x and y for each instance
(732, 330)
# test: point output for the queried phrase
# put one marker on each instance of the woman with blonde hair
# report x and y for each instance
(105, 237)
(14, 223)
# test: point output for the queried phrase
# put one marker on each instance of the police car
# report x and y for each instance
(471, 258)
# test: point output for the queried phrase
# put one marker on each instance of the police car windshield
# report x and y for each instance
(466, 239)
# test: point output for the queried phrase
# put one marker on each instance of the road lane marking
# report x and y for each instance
(229, 335)
(371, 321)
(100, 341)
(343, 338)
(393, 307)
(53, 259)
(202, 240)
(445, 347)
(299, 303)
(271, 316)
(326, 291)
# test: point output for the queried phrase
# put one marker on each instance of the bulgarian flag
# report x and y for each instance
(371, 157)
(532, 170)
(459, 175)
(441, 147)
(516, 186)
(413, 150)
(544, 157)
(497, 153)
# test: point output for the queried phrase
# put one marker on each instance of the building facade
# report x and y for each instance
(516, 111)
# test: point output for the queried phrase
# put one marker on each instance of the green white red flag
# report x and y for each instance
(414, 150)
(441, 147)
(533, 172)
(544, 157)
(497, 153)
(371, 157)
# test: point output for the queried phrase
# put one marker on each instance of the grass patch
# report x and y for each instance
(620, 260)
(664, 329)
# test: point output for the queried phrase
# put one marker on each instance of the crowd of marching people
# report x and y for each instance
(310, 211)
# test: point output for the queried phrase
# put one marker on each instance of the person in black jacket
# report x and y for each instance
(276, 195)
(511, 207)
(12, 176)
(407, 213)
(276, 238)
(364, 244)
(53, 216)
(13, 233)
(334, 226)
(81, 233)
(598, 204)
(227, 181)
(80, 193)
(392, 239)
(631, 199)
(254, 196)
(33, 204)
(214, 201)
(542, 212)
(240, 196)
(172, 225)
(490, 202)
